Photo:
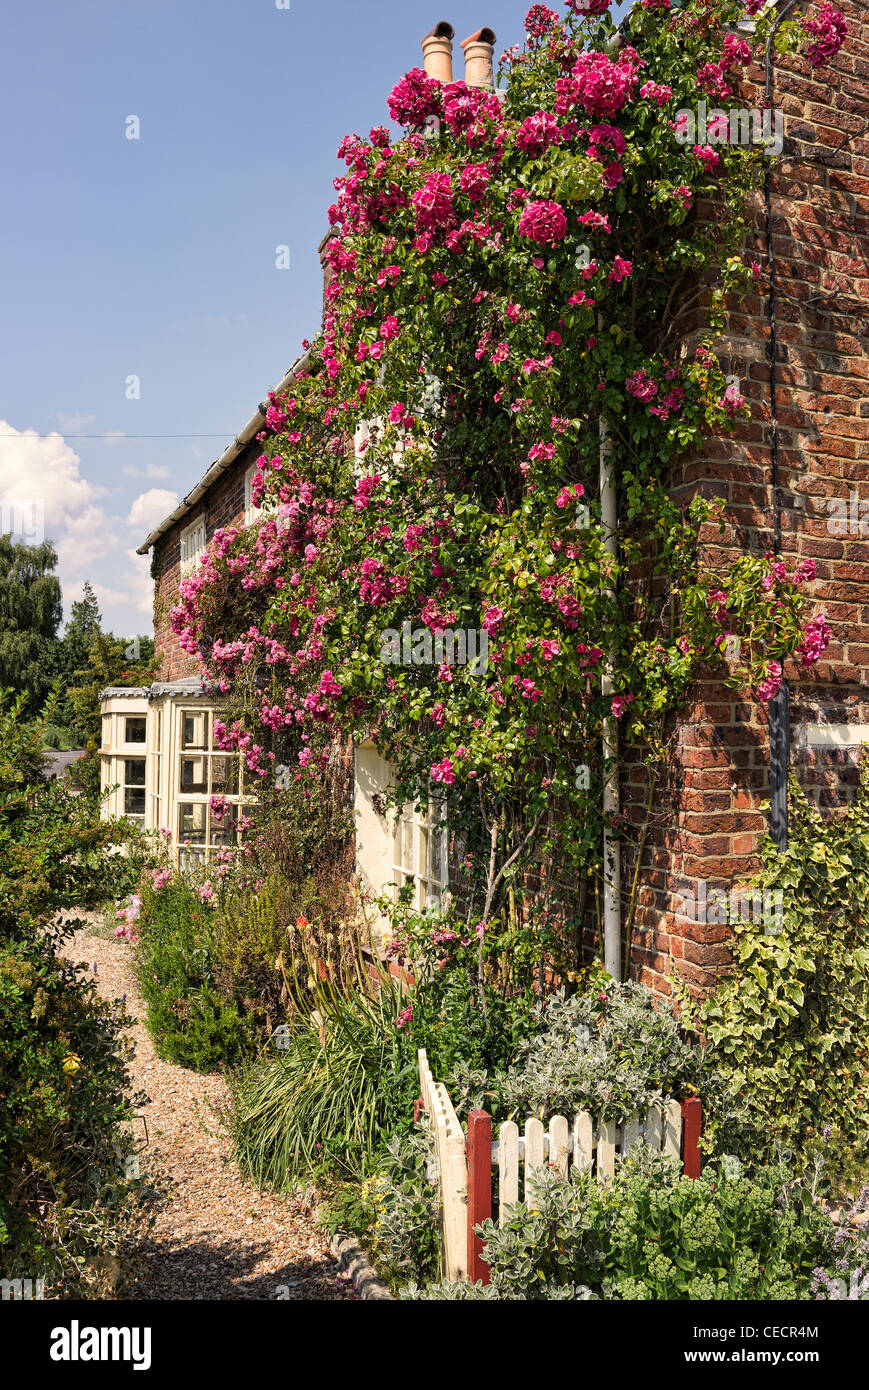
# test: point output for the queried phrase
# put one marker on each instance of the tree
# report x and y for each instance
(30, 615)
(108, 663)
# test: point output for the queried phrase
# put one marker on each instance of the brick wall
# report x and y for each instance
(223, 505)
(707, 823)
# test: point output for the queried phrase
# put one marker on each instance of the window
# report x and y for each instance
(202, 773)
(156, 820)
(420, 854)
(392, 851)
(253, 513)
(135, 730)
(134, 788)
(192, 545)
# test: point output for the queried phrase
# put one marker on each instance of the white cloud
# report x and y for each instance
(43, 496)
(152, 507)
(151, 470)
(74, 424)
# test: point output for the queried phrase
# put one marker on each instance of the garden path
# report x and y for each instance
(216, 1236)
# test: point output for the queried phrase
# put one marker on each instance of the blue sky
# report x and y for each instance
(155, 257)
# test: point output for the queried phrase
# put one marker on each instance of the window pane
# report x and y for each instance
(224, 775)
(134, 801)
(135, 729)
(134, 775)
(194, 730)
(191, 822)
(194, 775)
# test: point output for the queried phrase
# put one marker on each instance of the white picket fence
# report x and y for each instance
(449, 1140)
(466, 1164)
(564, 1147)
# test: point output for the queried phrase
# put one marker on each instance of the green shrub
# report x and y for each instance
(789, 1026)
(193, 1017)
(609, 1051)
(270, 939)
(66, 1204)
(653, 1234)
(332, 1098)
(475, 1000)
(53, 848)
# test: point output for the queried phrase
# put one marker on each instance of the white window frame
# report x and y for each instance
(176, 797)
(193, 542)
(393, 849)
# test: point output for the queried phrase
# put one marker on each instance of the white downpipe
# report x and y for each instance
(612, 856)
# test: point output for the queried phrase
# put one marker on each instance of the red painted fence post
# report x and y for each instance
(479, 1190)
(692, 1122)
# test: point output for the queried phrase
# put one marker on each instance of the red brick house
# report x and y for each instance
(795, 479)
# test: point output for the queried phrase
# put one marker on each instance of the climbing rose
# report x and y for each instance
(641, 385)
(434, 203)
(415, 97)
(707, 156)
(539, 20)
(474, 180)
(771, 683)
(658, 92)
(600, 86)
(544, 222)
(588, 7)
(830, 30)
(537, 133)
(816, 640)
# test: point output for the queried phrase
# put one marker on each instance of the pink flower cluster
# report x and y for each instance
(771, 684)
(434, 203)
(642, 386)
(829, 30)
(815, 641)
(588, 7)
(620, 704)
(658, 92)
(599, 85)
(543, 221)
(415, 97)
(537, 133)
(474, 180)
(539, 21)
(443, 772)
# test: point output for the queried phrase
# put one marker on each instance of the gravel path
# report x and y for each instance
(216, 1236)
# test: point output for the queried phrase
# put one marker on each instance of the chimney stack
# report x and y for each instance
(480, 59)
(437, 48)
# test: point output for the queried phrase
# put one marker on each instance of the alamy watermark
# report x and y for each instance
(737, 126)
(719, 906)
(21, 1290)
(444, 647)
(24, 517)
(848, 516)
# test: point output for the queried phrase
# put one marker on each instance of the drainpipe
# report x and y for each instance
(437, 49)
(779, 709)
(612, 850)
(480, 59)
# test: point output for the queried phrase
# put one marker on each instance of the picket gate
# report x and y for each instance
(473, 1169)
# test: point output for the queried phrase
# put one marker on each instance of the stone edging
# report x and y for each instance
(352, 1258)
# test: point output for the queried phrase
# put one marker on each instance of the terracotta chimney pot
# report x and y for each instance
(480, 59)
(437, 48)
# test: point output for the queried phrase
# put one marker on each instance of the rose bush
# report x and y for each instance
(508, 287)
